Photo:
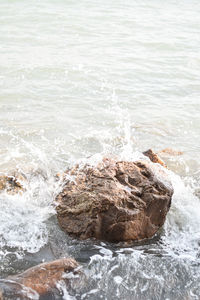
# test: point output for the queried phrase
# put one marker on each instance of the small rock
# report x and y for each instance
(11, 184)
(154, 157)
(41, 280)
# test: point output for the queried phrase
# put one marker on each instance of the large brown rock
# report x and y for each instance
(40, 281)
(114, 201)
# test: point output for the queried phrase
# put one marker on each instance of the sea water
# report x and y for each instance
(84, 79)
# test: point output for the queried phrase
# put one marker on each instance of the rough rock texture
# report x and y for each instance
(40, 281)
(11, 184)
(114, 201)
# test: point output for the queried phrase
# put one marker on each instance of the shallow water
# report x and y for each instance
(87, 79)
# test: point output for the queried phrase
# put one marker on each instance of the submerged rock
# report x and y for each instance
(114, 201)
(170, 152)
(11, 184)
(42, 281)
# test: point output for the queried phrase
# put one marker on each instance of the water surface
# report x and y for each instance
(90, 78)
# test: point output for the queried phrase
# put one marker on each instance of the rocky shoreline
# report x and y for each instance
(114, 201)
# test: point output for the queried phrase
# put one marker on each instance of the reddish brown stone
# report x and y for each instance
(40, 280)
(154, 157)
(114, 201)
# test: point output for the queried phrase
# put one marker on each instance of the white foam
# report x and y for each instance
(23, 216)
(182, 225)
(61, 286)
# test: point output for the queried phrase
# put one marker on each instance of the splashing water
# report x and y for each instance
(182, 236)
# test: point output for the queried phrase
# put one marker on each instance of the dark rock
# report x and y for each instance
(114, 201)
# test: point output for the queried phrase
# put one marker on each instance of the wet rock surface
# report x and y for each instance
(154, 157)
(43, 281)
(11, 184)
(114, 201)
